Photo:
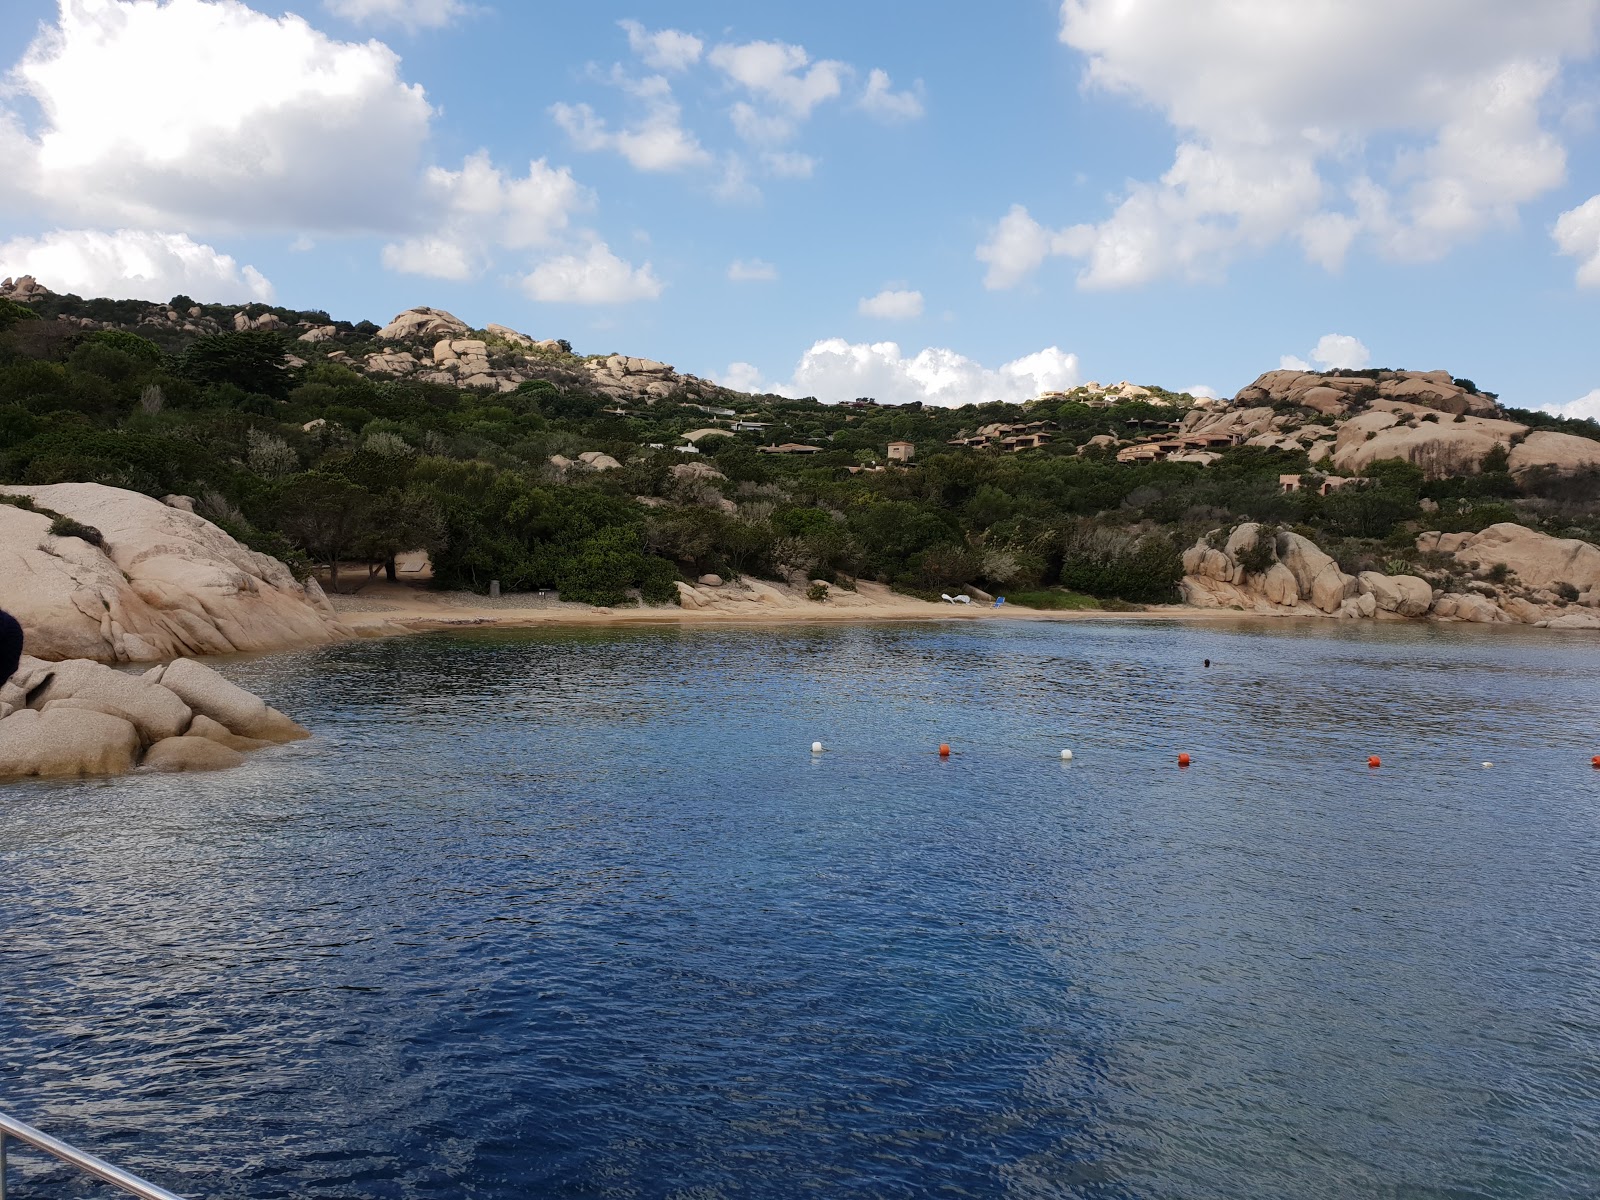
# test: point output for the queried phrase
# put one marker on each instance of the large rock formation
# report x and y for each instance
(1563, 452)
(419, 324)
(1506, 573)
(1539, 561)
(165, 582)
(1334, 394)
(81, 718)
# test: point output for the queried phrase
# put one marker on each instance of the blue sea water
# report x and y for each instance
(578, 914)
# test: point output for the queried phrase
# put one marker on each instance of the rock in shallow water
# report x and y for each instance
(81, 718)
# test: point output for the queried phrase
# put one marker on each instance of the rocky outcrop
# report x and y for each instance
(79, 718)
(1561, 452)
(391, 362)
(506, 334)
(1505, 574)
(420, 324)
(639, 379)
(1337, 395)
(1539, 561)
(1442, 447)
(164, 583)
(270, 322)
(1403, 595)
(1293, 578)
(24, 289)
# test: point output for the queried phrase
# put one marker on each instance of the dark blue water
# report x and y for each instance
(580, 915)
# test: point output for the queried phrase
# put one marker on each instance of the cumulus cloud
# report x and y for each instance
(657, 141)
(751, 270)
(408, 14)
(596, 276)
(277, 126)
(1429, 131)
(1577, 235)
(743, 377)
(834, 370)
(132, 265)
(1018, 244)
(1584, 408)
(663, 49)
(1333, 352)
(891, 305)
(882, 101)
(479, 209)
(781, 75)
(767, 89)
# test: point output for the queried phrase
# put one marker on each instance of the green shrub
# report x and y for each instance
(1567, 592)
(127, 343)
(817, 592)
(67, 527)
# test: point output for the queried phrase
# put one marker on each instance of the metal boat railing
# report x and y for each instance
(87, 1163)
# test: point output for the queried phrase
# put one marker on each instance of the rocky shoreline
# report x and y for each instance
(79, 718)
(1505, 574)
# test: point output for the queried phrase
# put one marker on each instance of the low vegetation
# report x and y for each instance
(324, 462)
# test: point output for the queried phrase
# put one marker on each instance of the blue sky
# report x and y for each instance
(845, 199)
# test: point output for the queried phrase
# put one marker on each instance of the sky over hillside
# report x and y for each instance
(844, 199)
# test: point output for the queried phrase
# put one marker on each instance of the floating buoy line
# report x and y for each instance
(1374, 762)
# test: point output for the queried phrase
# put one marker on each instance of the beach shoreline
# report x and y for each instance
(383, 609)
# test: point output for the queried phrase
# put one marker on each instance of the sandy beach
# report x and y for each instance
(381, 609)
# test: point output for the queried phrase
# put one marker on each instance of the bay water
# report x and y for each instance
(580, 914)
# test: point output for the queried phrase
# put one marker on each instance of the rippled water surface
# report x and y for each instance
(579, 914)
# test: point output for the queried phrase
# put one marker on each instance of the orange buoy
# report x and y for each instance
(1374, 761)
(1595, 762)
(944, 749)
(1183, 760)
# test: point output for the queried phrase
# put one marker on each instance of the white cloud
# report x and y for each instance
(132, 265)
(751, 270)
(1428, 132)
(834, 370)
(409, 14)
(663, 49)
(478, 210)
(655, 142)
(1340, 352)
(891, 305)
(786, 164)
(1584, 408)
(1333, 352)
(596, 276)
(1017, 246)
(781, 74)
(1201, 392)
(743, 377)
(1577, 235)
(266, 123)
(882, 101)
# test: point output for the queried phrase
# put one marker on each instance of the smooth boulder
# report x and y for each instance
(65, 743)
(246, 714)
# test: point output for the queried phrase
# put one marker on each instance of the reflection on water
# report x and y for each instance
(578, 914)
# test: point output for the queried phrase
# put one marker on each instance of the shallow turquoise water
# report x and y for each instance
(580, 915)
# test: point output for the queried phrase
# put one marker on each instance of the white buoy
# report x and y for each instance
(1487, 765)
(1066, 756)
(816, 747)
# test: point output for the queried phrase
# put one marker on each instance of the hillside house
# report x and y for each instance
(902, 452)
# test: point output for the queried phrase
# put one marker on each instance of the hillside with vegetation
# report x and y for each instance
(609, 478)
